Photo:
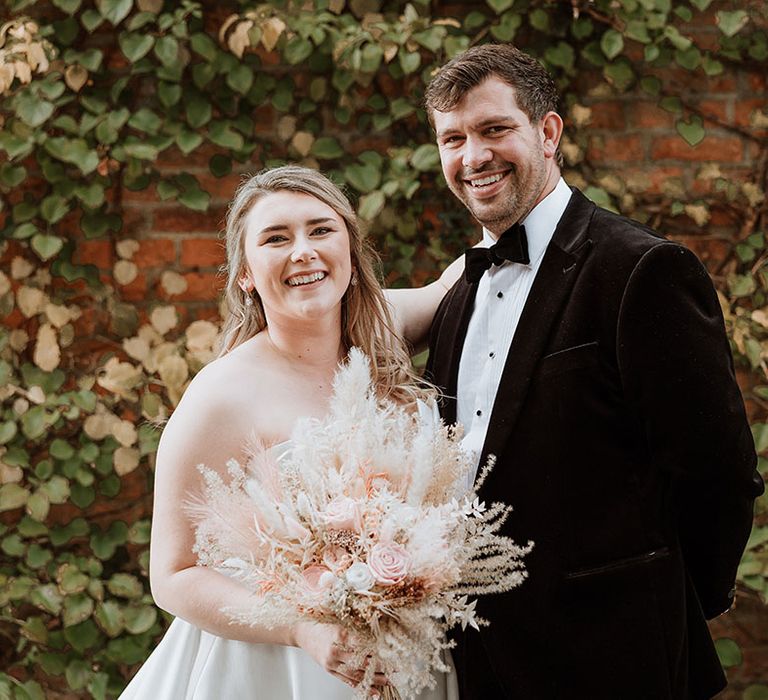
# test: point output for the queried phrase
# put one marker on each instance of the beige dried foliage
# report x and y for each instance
(698, 212)
(336, 6)
(137, 348)
(759, 119)
(173, 371)
(239, 40)
(127, 248)
(390, 51)
(148, 333)
(581, 115)
(125, 272)
(30, 300)
(754, 194)
(286, 127)
(173, 283)
(42, 277)
(21, 268)
(120, 378)
(302, 141)
(125, 460)
(271, 29)
(67, 336)
(158, 353)
(18, 339)
(60, 316)
(710, 171)
(612, 184)
(9, 474)
(760, 316)
(47, 353)
(5, 283)
(75, 76)
(98, 425)
(20, 406)
(201, 335)
(22, 52)
(571, 151)
(124, 432)
(153, 6)
(36, 394)
(163, 319)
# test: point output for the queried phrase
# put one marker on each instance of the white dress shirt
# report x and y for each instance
(501, 295)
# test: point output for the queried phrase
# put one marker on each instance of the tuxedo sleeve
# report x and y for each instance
(677, 373)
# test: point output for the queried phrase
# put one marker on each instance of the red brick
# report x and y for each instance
(202, 252)
(648, 115)
(136, 221)
(174, 158)
(15, 319)
(98, 252)
(744, 109)
(201, 286)
(135, 291)
(154, 252)
(758, 82)
(622, 148)
(606, 115)
(728, 149)
(714, 111)
(221, 187)
(658, 176)
(711, 251)
(183, 220)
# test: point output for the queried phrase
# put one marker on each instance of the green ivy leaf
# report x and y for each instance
(83, 635)
(47, 597)
(498, 6)
(68, 6)
(77, 608)
(12, 175)
(204, 45)
(46, 247)
(33, 110)
(125, 586)
(731, 23)
(144, 119)
(53, 208)
(364, 178)
(539, 20)
(701, 4)
(409, 61)
(327, 148)
(507, 26)
(78, 673)
(561, 55)
(167, 50)
(114, 10)
(426, 158)
(109, 616)
(692, 131)
(612, 43)
(195, 198)
(8, 431)
(198, 111)
(134, 45)
(139, 618)
(371, 205)
(619, 74)
(728, 652)
(297, 50)
(38, 505)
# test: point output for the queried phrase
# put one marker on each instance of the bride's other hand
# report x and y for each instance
(332, 647)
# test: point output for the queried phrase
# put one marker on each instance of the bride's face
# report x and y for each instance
(297, 255)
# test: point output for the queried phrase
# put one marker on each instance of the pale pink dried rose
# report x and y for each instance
(388, 562)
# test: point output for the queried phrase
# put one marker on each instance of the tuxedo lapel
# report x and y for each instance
(449, 343)
(559, 269)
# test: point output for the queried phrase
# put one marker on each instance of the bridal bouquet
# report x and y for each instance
(365, 521)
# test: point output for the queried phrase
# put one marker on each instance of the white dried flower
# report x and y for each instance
(359, 577)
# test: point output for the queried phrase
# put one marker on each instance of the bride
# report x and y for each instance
(301, 291)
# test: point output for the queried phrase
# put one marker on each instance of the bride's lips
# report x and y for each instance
(489, 190)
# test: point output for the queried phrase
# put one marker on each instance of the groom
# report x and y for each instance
(588, 355)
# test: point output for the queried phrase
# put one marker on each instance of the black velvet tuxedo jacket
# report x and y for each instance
(622, 444)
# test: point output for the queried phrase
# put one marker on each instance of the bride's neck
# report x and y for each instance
(318, 345)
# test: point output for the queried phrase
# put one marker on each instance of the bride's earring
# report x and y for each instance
(353, 280)
(248, 300)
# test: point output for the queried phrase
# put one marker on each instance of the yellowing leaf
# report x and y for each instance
(173, 282)
(125, 271)
(174, 371)
(10, 475)
(5, 283)
(36, 394)
(127, 248)
(120, 378)
(125, 460)
(286, 127)
(19, 339)
(302, 141)
(271, 31)
(760, 316)
(581, 115)
(31, 301)
(163, 318)
(124, 432)
(238, 41)
(75, 76)
(753, 193)
(99, 425)
(47, 352)
(20, 406)
(21, 268)
(137, 348)
(201, 335)
(698, 212)
(60, 316)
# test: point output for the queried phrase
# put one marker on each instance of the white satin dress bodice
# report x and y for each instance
(191, 664)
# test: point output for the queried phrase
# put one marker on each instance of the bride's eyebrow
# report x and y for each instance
(285, 227)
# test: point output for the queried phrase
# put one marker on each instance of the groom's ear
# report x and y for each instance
(551, 132)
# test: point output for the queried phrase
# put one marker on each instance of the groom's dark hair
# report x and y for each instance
(535, 89)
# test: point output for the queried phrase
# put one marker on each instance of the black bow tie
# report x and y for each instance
(512, 246)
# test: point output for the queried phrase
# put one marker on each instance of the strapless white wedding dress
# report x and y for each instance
(191, 664)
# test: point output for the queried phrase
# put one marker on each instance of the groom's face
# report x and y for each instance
(492, 156)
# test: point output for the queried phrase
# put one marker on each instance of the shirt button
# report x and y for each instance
(500, 294)
(491, 354)
(479, 412)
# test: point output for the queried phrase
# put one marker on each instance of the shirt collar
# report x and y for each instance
(541, 221)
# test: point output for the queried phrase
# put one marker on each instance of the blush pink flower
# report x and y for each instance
(388, 562)
(342, 513)
(337, 559)
(317, 582)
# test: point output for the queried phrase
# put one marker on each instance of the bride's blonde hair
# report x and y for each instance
(366, 320)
